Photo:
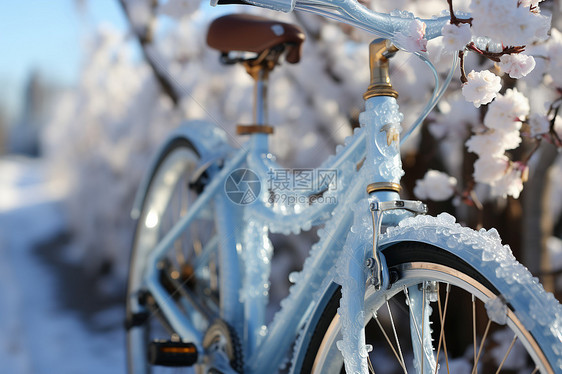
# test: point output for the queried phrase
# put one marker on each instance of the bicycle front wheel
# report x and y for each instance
(468, 327)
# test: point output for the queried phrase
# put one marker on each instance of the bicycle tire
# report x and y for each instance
(163, 204)
(410, 263)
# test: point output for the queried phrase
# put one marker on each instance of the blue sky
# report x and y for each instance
(46, 35)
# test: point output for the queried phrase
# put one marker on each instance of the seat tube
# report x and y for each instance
(257, 249)
(381, 120)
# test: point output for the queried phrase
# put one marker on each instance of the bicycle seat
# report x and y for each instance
(249, 33)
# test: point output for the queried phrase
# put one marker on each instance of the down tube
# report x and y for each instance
(286, 324)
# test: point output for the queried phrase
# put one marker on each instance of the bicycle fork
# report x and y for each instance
(362, 262)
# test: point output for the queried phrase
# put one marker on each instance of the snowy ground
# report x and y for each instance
(37, 333)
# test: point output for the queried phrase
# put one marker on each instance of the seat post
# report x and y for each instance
(260, 98)
(260, 73)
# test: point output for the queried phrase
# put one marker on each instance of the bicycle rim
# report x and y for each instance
(190, 267)
(470, 342)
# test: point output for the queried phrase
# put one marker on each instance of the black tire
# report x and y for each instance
(410, 263)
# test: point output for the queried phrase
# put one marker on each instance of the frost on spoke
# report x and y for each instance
(497, 310)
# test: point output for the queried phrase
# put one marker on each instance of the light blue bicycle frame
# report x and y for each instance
(266, 348)
(243, 230)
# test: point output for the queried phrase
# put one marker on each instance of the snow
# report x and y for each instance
(39, 336)
(497, 310)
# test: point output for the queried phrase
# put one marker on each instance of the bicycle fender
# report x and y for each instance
(209, 141)
(484, 251)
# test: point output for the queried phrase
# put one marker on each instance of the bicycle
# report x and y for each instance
(201, 257)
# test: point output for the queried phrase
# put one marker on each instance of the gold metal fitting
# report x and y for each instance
(383, 186)
(254, 129)
(380, 50)
(261, 66)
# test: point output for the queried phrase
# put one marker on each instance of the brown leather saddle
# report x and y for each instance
(249, 33)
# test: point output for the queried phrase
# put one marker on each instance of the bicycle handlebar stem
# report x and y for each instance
(380, 50)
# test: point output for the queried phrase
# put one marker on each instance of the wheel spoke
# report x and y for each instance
(402, 362)
(422, 325)
(371, 368)
(446, 354)
(209, 249)
(442, 316)
(474, 327)
(214, 282)
(176, 213)
(507, 353)
(474, 369)
(413, 315)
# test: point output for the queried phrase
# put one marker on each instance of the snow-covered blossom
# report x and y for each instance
(413, 39)
(455, 37)
(178, 9)
(436, 186)
(508, 22)
(510, 184)
(481, 87)
(517, 65)
(538, 124)
(506, 112)
(490, 169)
(493, 143)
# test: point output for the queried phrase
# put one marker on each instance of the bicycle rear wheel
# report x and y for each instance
(189, 272)
(461, 307)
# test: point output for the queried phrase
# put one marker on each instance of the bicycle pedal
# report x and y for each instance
(171, 353)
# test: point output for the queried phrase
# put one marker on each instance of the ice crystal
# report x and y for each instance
(497, 310)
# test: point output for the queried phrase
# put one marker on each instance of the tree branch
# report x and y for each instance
(495, 56)
(464, 79)
(454, 20)
(145, 39)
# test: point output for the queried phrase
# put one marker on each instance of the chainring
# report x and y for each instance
(222, 336)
